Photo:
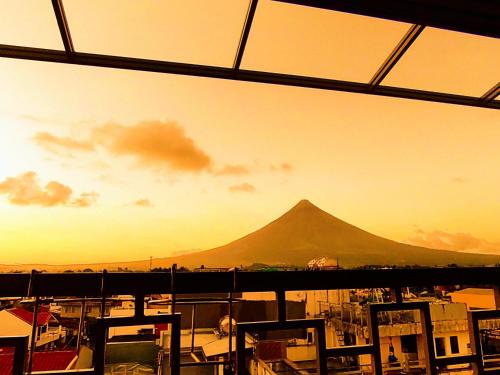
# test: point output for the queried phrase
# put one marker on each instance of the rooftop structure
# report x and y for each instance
(478, 18)
(178, 286)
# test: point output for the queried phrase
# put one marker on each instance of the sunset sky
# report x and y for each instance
(106, 165)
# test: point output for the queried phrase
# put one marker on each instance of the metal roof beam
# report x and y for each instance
(62, 22)
(403, 45)
(245, 33)
(469, 16)
(492, 93)
(88, 59)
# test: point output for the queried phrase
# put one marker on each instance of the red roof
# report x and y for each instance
(42, 361)
(48, 361)
(159, 328)
(42, 318)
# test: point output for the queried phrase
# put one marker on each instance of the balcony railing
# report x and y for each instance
(45, 287)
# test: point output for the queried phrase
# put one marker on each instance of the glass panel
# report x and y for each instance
(308, 41)
(192, 31)
(490, 342)
(138, 349)
(29, 23)
(446, 61)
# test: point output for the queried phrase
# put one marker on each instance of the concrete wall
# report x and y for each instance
(463, 341)
(476, 300)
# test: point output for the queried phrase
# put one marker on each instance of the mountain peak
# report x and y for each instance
(303, 204)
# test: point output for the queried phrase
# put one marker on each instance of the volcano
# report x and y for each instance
(306, 232)
(303, 233)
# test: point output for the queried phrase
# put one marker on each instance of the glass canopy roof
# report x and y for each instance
(262, 41)
(290, 39)
(192, 31)
(448, 61)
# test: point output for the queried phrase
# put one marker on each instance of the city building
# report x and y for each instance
(19, 322)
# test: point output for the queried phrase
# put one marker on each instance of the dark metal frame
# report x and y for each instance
(411, 35)
(70, 56)
(98, 284)
(105, 323)
(492, 93)
(129, 63)
(103, 285)
(426, 323)
(243, 328)
(475, 317)
(469, 16)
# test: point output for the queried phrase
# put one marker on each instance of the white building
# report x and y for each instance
(19, 322)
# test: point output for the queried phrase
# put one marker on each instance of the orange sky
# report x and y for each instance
(102, 165)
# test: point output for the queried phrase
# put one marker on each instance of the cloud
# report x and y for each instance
(458, 180)
(25, 190)
(283, 167)
(85, 199)
(143, 203)
(453, 241)
(54, 143)
(232, 169)
(245, 187)
(154, 144)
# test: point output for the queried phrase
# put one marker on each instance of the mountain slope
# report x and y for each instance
(306, 232)
(301, 234)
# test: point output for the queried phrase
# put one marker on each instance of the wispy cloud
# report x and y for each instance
(25, 190)
(154, 144)
(85, 199)
(143, 203)
(55, 144)
(244, 187)
(283, 167)
(232, 169)
(453, 241)
(458, 180)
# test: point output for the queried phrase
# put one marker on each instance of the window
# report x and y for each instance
(409, 344)
(440, 348)
(455, 349)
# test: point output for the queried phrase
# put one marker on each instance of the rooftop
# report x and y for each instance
(42, 361)
(43, 317)
(482, 291)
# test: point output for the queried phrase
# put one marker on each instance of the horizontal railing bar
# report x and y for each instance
(486, 314)
(456, 360)
(206, 363)
(63, 372)
(132, 283)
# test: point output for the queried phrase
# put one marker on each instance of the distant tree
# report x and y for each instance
(88, 270)
(69, 271)
(160, 269)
